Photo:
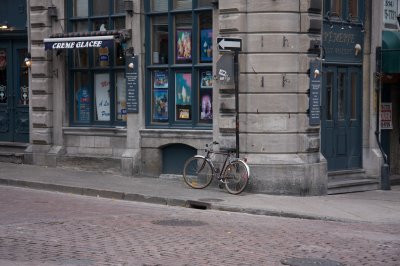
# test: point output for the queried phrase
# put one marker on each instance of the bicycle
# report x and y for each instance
(199, 171)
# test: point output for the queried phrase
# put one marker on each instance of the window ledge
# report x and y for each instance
(95, 131)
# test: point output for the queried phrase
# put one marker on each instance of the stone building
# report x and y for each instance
(136, 87)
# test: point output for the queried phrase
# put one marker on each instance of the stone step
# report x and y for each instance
(352, 185)
(343, 175)
(90, 163)
(12, 152)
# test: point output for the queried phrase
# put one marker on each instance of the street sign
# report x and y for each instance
(229, 44)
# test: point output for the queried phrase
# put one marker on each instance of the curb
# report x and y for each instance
(201, 205)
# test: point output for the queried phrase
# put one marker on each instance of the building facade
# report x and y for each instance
(137, 87)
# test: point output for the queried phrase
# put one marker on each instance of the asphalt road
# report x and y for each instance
(48, 228)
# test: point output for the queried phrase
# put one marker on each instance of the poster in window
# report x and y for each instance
(206, 79)
(206, 45)
(160, 79)
(121, 97)
(160, 105)
(83, 104)
(183, 45)
(183, 91)
(102, 87)
(205, 105)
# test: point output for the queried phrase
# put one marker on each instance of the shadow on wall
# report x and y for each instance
(174, 157)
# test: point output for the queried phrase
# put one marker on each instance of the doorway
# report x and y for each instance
(14, 92)
(341, 116)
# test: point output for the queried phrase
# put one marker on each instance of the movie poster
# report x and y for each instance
(160, 79)
(183, 46)
(206, 79)
(183, 92)
(160, 105)
(205, 105)
(206, 45)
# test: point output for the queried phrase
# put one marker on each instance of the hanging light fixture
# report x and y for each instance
(4, 25)
(28, 60)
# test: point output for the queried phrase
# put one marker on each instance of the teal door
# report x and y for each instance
(341, 137)
(14, 92)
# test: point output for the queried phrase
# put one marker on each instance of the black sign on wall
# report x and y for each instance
(315, 92)
(132, 95)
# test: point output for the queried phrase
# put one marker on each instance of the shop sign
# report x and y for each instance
(78, 42)
(339, 44)
(386, 116)
(390, 11)
(315, 92)
(131, 69)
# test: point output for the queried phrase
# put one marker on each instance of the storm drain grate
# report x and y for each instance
(310, 262)
(178, 222)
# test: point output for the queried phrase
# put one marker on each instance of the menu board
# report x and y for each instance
(132, 105)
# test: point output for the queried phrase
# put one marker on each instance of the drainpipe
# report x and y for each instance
(385, 177)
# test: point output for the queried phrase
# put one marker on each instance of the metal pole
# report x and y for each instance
(236, 74)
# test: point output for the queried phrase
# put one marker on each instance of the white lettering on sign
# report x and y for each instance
(390, 12)
(71, 45)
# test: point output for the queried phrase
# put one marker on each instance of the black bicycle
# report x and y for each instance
(199, 171)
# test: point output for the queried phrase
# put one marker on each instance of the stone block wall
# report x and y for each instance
(282, 149)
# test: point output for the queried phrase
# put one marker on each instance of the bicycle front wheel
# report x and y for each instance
(236, 177)
(197, 172)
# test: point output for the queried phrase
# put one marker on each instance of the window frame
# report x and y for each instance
(172, 67)
(91, 69)
(344, 16)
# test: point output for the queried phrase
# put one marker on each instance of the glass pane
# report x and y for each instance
(119, 54)
(183, 37)
(101, 57)
(3, 76)
(353, 95)
(183, 99)
(159, 5)
(182, 4)
(204, 3)
(82, 102)
(100, 24)
(329, 86)
(120, 88)
(353, 9)
(205, 21)
(336, 7)
(160, 40)
(100, 8)
(81, 8)
(23, 97)
(80, 26)
(119, 6)
(81, 57)
(119, 23)
(102, 94)
(160, 96)
(205, 97)
(341, 96)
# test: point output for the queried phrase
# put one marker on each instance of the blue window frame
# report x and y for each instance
(344, 11)
(97, 95)
(179, 79)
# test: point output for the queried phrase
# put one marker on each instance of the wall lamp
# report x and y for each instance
(28, 60)
(4, 25)
(128, 6)
(52, 12)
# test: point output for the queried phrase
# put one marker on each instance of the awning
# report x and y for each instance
(390, 52)
(77, 40)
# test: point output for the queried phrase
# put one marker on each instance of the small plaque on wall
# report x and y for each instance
(315, 92)
(132, 95)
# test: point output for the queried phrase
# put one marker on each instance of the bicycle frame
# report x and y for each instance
(228, 156)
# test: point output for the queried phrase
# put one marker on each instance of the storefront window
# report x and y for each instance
(179, 69)
(345, 10)
(97, 77)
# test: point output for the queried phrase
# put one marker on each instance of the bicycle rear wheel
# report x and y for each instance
(236, 176)
(197, 172)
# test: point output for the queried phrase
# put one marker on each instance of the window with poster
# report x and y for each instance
(97, 92)
(179, 63)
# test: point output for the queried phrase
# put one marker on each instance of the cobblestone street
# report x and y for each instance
(46, 228)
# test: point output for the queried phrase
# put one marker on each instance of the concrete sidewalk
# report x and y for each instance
(372, 206)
